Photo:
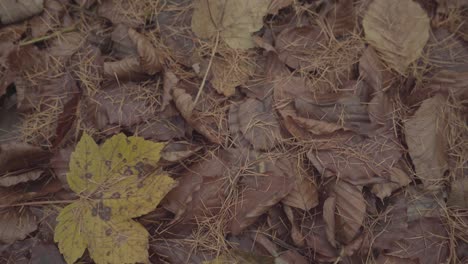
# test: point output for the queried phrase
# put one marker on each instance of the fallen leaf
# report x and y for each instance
(458, 196)
(296, 234)
(50, 19)
(230, 71)
(384, 259)
(427, 146)
(398, 178)
(20, 177)
(151, 60)
(12, 11)
(386, 29)
(46, 253)
(178, 251)
(170, 83)
(350, 211)
(18, 155)
(304, 195)
(277, 5)
(256, 122)
(261, 192)
(341, 17)
(234, 21)
(329, 218)
(117, 186)
(360, 162)
(297, 46)
(16, 223)
(122, 45)
(125, 69)
(178, 151)
(374, 72)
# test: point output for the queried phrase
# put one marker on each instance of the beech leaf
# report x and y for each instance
(235, 21)
(398, 30)
(116, 182)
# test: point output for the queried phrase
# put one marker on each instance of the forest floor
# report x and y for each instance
(234, 131)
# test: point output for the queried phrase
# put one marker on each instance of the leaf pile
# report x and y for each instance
(233, 131)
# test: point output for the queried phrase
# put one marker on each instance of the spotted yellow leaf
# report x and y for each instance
(116, 182)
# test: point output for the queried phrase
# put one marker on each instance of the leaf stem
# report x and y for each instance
(202, 85)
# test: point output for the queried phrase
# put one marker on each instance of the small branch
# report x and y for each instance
(202, 85)
(46, 37)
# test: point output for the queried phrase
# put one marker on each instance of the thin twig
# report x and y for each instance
(202, 85)
(46, 37)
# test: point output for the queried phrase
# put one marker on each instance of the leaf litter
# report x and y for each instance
(265, 131)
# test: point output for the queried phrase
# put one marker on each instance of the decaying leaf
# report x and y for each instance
(304, 195)
(229, 72)
(350, 210)
(18, 155)
(117, 181)
(427, 146)
(261, 192)
(151, 60)
(397, 178)
(234, 21)
(386, 29)
(16, 223)
(256, 123)
(25, 176)
(16, 10)
(459, 193)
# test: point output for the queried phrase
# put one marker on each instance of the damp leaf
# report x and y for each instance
(116, 182)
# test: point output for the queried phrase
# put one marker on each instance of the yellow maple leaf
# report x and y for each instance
(116, 182)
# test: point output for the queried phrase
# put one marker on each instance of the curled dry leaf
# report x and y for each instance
(16, 223)
(234, 21)
(273, 183)
(122, 45)
(178, 151)
(329, 218)
(10, 180)
(12, 11)
(304, 195)
(397, 178)
(350, 211)
(170, 83)
(296, 234)
(386, 29)
(151, 60)
(125, 69)
(257, 123)
(427, 145)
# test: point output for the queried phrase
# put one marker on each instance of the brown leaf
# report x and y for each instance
(16, 223)
(200, 192)
(178, 251)
(50, 19)
(350, 211)
(121, 105)
(125, 69)
(122, 45)
(12, 11)
(427, 146)
(163, 128)
(458, 196)
(329, 218)
(59, 163)
(317, 241)
(151, 60)
(341, 17)
(257, 123)
(276, 5)
(230, 71)
(360, 162)
(297, 47)
(397, 178)
(304, 195)
(386, 29)
(262, 191)
(384, 259)
(373, 71)
(296, 234)
(46, 253)
(170, 83)
(207, 125)
(450, 82)
(17, 155)
(178, 151)
(20, 177)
